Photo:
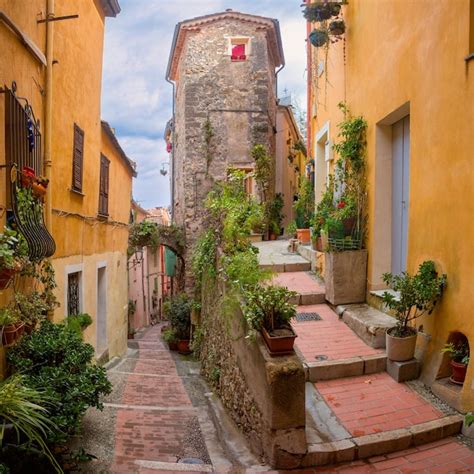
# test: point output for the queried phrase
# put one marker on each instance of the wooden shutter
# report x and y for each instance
(77, 159)
(104, 186)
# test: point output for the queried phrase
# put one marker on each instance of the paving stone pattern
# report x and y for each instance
(330, 337)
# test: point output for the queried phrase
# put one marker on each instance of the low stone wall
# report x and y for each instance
(264, 395)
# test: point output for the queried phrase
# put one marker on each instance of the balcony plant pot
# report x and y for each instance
(6, 275)
(39, 190)
(303, 235)
(345, 276)
(280, 344)
(459, 372)
(400, 348)
(337, 27)
(183, 346)
(10, 334)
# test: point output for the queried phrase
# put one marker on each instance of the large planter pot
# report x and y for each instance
(10, 334)
(317, 244)
(459, 372)
(303, 236)
(400, 348)
(273, 236)
(183, 346)
(349, 224)
(279, 345)
(345, 276)
(6, 275)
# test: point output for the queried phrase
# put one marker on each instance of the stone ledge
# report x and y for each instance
(368, 323)
(329, 453)
(335, 369)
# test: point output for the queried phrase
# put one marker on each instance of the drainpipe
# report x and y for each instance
(48, 112)
(173, 145)
(276, 82)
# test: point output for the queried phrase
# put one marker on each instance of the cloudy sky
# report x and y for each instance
(136, 99)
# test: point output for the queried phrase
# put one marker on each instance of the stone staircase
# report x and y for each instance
(354, 408)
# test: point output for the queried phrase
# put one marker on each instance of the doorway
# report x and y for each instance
(101, 309)
(400, 193)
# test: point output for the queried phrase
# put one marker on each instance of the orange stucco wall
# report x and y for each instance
(412, 54)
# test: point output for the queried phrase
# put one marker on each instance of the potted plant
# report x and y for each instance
(459, 353)
(304, 207)
(10, 324)
(179, 314)
(337, 27)
(291, 229)
(269, 309)
(32, 308)
(319, 37)
(10, 258)
(170, 337)
(321, 10)
(416, 295)
(274, 216)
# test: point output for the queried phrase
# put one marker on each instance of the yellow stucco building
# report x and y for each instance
(408, 68)
(57, 68)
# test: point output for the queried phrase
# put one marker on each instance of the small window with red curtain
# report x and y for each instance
(238, 52)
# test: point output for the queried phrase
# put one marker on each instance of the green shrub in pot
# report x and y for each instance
(179, 315)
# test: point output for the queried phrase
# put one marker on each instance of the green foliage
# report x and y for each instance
(8, 316)
(169, 336)
(179, 315)
(55, 359)
(78, 322)
(27, 409)
(205, 256)
(304, 205)
(274, 213)
(418, 295)
(469, 419)
(29, 207)
(459, 351)
(143, 234)
(10, 249)
(32, 307)
(324, 209)
(196, 342)
(268, 307)
(291, 228)
(263, 170)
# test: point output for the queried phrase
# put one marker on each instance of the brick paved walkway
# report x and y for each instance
(301, 282)
(329, 337)
(154, 410)
(374, 403)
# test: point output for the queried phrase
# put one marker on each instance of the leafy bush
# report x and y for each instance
(179, 314)
(418, 295)
(78, 322)
(459, 352)
(304, 205)
(55, 359)
(32, 307)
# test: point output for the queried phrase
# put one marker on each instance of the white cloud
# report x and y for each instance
(136, 99)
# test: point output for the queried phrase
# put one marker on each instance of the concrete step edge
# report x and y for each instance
(287, 267)
(336, 369)
(377, 444)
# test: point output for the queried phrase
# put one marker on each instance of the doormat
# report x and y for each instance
(308, 317)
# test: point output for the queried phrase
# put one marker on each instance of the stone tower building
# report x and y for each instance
(224, 68)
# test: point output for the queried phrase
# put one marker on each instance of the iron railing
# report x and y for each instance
(23, 151)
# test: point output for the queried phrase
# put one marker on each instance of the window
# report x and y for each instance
(238, 52)
(74, 293)
(238, 48)
(77, 159)
(104, 186)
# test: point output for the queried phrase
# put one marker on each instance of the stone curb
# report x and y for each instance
(287, 267)
(336, 369)
(378, 444)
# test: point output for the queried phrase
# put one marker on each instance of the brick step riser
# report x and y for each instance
(336, 369)
(288, 267)
(381, 443)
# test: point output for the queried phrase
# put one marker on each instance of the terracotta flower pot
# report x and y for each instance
(303, 235)
(400, 348)
(10, 334)
(349, 224)
(20, 328)
(279, 345)
(459, 372)
(38, 190)
(6, 275)
(183, 346)
(29, 328)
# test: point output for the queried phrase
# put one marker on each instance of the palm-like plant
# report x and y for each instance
(25, 410)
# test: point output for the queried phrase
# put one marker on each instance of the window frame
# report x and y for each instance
(233, 41)
(104, 186)
(69, 270)
(77, 180)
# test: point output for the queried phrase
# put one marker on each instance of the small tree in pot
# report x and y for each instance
(179, 314)
(269, 309)
(416, 296)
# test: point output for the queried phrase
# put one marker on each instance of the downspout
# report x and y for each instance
(276, 82)
(173, 145)
(48, 112)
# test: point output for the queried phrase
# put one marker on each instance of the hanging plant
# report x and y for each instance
(319, 37)
(321, 11)
(337, 27)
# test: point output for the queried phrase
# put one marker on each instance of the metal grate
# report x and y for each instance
(308, 317)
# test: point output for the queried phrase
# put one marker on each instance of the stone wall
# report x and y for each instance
(237, 99)
(264, 395)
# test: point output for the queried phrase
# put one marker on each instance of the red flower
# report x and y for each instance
(341, 204)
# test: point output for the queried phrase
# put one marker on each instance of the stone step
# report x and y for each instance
(362, 447)
(368, 323)
(287, 267)
(335, 369)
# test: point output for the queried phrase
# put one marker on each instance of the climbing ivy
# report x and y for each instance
(208, 136)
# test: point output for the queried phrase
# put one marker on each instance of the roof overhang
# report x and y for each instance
(131, 165)
(270, 25)
(111, 7)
